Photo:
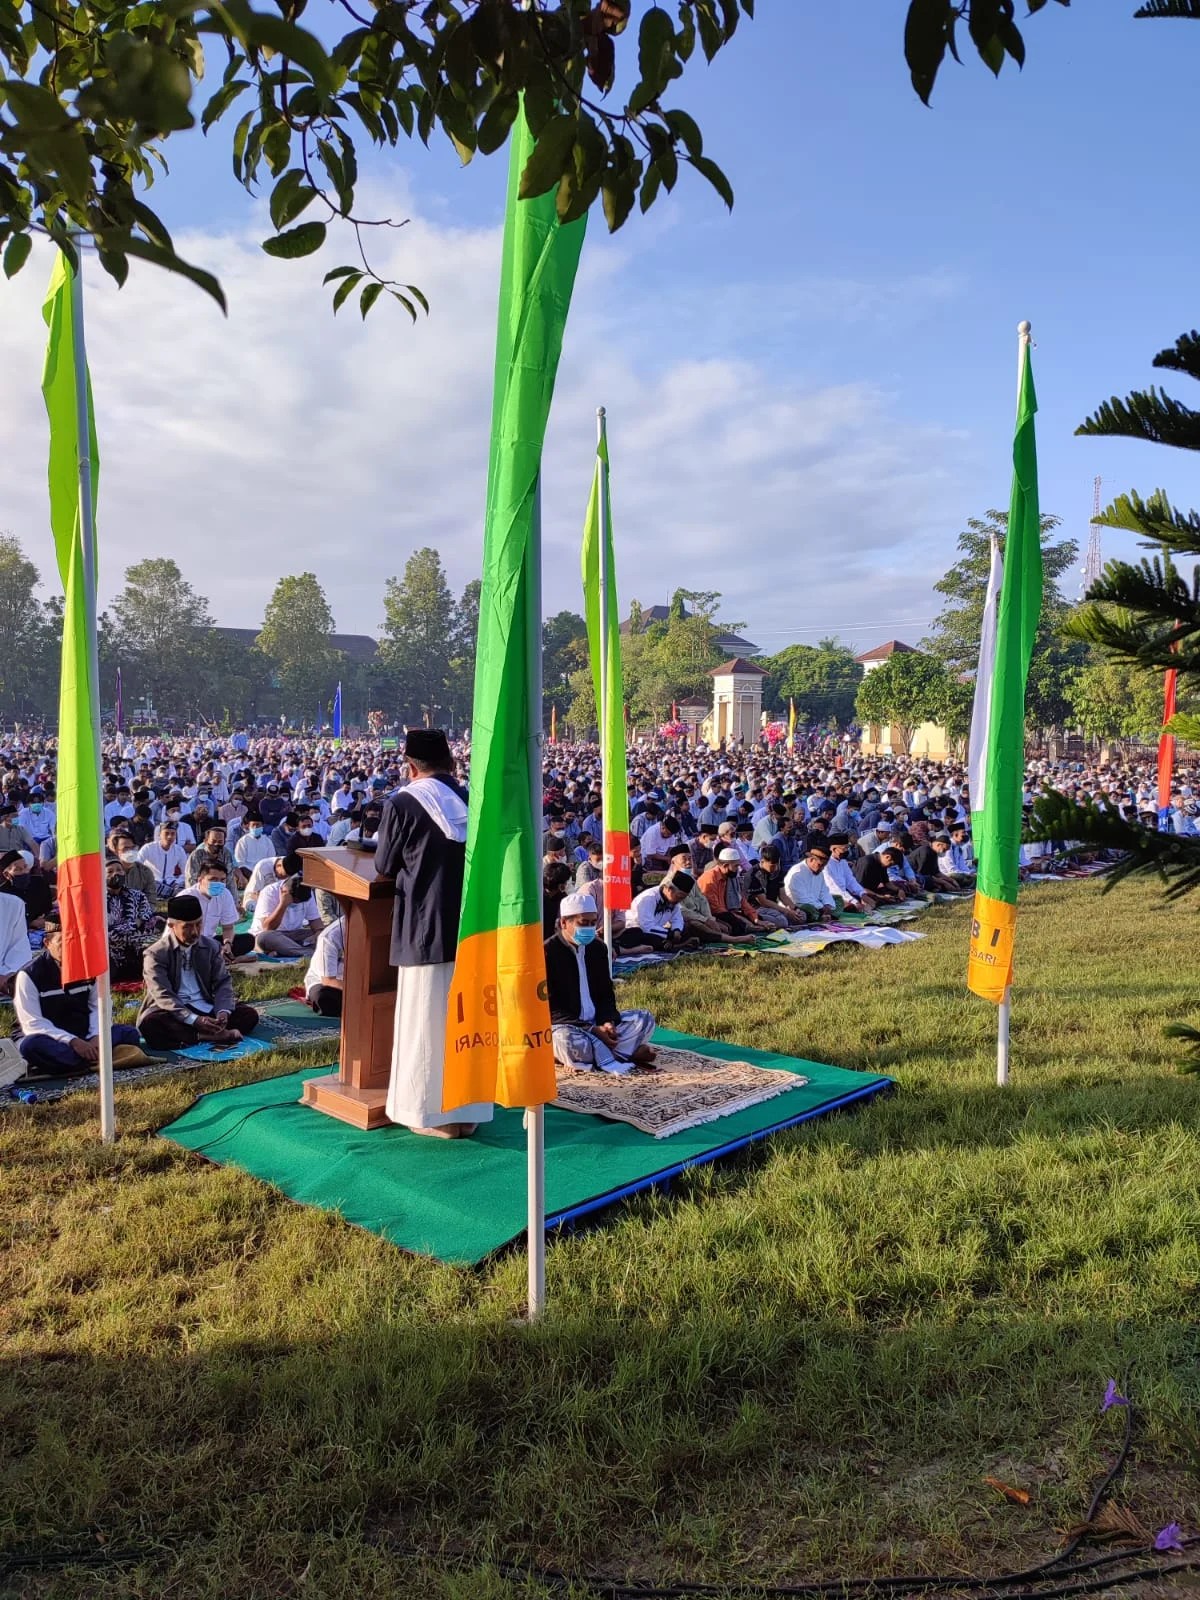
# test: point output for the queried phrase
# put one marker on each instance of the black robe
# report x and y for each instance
(428, 869)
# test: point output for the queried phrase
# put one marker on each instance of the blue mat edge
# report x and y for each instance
(565, 1219)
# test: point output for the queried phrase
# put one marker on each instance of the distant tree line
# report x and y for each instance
(173, 655)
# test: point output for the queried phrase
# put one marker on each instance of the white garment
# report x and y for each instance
(190, 991)
(329, 956)
(587, 1006)
(418, 1044)
(264, 872)
(840, 879)
(219, 911)
(296, 915)
(650, 918)
(165, 862)
(804, 887)
(249, 851)
(443, 806)
(27, 1003)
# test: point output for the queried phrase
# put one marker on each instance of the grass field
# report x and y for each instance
(802, 1363)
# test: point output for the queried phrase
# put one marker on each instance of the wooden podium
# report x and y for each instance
(358, 1092)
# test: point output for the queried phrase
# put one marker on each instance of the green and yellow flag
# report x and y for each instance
(81, 896)
(610, 697)
(498, 1020)
(998, 721)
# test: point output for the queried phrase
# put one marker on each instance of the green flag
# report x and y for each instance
(81, 897)
(610, 697)
(498, 1020)
(998, 810)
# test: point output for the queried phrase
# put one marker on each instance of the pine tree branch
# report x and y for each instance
(1175, 860)
(1184, 9)
(1145, 614)
(1147, 414)
(1157, 519)
(1184, 354)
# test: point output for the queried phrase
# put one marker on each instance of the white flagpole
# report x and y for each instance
(535, 1116)
(602, 709)
(1004, 1015)
(87, 523)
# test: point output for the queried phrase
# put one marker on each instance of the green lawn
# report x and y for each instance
(801, 1363)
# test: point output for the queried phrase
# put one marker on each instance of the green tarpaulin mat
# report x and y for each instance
(461, 1199)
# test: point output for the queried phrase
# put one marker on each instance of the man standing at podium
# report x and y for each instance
(422, 845)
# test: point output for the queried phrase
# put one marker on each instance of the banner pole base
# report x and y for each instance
(108, 1112)
(1004, 1017)
(535, 1135)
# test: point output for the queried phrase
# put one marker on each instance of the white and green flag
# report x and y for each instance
(1000, 747)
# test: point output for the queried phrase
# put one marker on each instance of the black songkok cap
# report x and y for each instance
(184, 908)
(429, 746)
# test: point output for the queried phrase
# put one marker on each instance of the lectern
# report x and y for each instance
(358, 1092)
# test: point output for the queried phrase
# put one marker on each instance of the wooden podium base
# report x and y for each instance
(363, 1108)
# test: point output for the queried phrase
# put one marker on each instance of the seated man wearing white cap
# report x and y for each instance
(589, 1030)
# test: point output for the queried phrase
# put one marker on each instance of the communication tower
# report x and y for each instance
(1094, 564)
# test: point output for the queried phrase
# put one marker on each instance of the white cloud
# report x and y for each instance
(283, 439)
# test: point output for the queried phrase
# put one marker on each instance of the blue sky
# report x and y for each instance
(807, 397)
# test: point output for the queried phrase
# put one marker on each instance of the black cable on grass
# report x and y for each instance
(1057, 1571)
(271, 1105)
(1054, 1570)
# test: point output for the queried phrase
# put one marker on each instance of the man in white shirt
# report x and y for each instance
(15, 951)
(220, 911)
(659, 840)
(839, 876)
(166, 857)
(656, 916)
(260, 877)
(323, 981)
(37, 818)
(805, 884)
(59, 1024)
(286, 919)
(252, 846)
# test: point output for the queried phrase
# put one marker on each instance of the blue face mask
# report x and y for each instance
(256, 833)
(585, 936)
(215, 890)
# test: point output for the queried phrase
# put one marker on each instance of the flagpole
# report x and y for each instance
(1004, 1015)
(535, 1116)
(602, 708)
(87, 523)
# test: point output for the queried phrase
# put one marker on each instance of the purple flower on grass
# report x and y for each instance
(1169, 1538)
(1112, 1396)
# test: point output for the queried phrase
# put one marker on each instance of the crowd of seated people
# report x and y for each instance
(202, 834)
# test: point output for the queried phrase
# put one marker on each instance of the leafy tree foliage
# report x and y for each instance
(24, 628)
(463, 649)
(932, 29)
(417, 639)
(956, 630)
(297, 638)
(91, 95)
(1110, 700)
(669, 661)
(822, 679)
(161, 634)
(564, 652)
(93, 92)
(908, 689)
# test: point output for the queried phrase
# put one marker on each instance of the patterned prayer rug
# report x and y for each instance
(682, 1091)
